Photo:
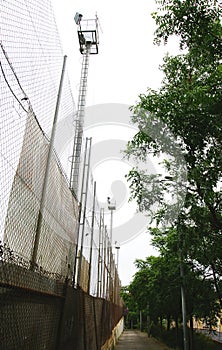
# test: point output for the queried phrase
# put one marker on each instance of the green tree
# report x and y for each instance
(156, 289)
(156, 285)
(187, 106)
(181, 123)
(131, 309)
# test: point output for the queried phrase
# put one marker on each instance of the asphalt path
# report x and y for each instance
(135, 340)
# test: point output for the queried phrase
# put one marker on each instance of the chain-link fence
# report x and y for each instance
(31, 62)
(40, 309)
(60, 212)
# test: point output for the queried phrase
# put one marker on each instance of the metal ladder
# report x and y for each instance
(77, 146)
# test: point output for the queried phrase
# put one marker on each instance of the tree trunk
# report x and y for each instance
(161, 323)
(177, 331)
(216, 285)
(168, 322)
(191, 333)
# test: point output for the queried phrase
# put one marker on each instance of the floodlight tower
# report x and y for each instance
(88, 45)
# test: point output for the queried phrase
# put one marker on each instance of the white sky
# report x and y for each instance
(127, 64)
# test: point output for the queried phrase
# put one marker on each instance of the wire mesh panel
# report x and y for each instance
(39, 309)
(28, 321)
(31, 63)
(90, 324)
(26, 191)
(32, 50)
(87, 321)
(58, 230)
(30, 69)
(95, 278)
(30, 304)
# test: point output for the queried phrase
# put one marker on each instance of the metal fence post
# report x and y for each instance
(46, 177)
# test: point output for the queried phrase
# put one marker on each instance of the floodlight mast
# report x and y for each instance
(88, 44)
(111, 207)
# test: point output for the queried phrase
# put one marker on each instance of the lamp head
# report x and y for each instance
(78, 18)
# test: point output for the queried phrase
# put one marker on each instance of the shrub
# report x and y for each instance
(174, 339)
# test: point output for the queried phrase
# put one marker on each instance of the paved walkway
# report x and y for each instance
(135, 340)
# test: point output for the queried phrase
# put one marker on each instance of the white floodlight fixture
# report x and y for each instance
(78, 18)
(111, 205)
(117, 246)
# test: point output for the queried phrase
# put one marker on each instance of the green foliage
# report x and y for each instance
(174, 339)
(187, 106)
(180, 125)
(196, 22)
(203, 342)
(131, 309)
(156, 287)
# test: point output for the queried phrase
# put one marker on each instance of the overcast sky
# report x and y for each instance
(127, 64)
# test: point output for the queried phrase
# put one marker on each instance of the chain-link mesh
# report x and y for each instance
(39, 308)
(30, 71)
(28, 321)
(31, 48)
(30, 302)
(31, 63)
(88, 322)
(58, 230)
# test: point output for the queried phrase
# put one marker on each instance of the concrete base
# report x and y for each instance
(117, 331)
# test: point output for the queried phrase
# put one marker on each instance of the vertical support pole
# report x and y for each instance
(182, 289)
(107, 266)
(148, 319)
(117, 257)
(140, 321)
(95, 325)
(104, 264)
(92, 236)
(116, 272)
(111, 229)
(99, 273)
(77, 247)
(79, 218)
(84, 205)
(184, 313)
(109, 263)
(110, 273)
(48, 164)
(62, 317)
(107, 270)
(102, 259)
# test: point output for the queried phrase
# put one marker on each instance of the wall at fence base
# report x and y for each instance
(41, 312)
(116, 333)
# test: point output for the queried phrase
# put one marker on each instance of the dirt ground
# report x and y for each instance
(135, 340)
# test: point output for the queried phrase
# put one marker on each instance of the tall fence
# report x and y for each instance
(31, 62)
(40, 308)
